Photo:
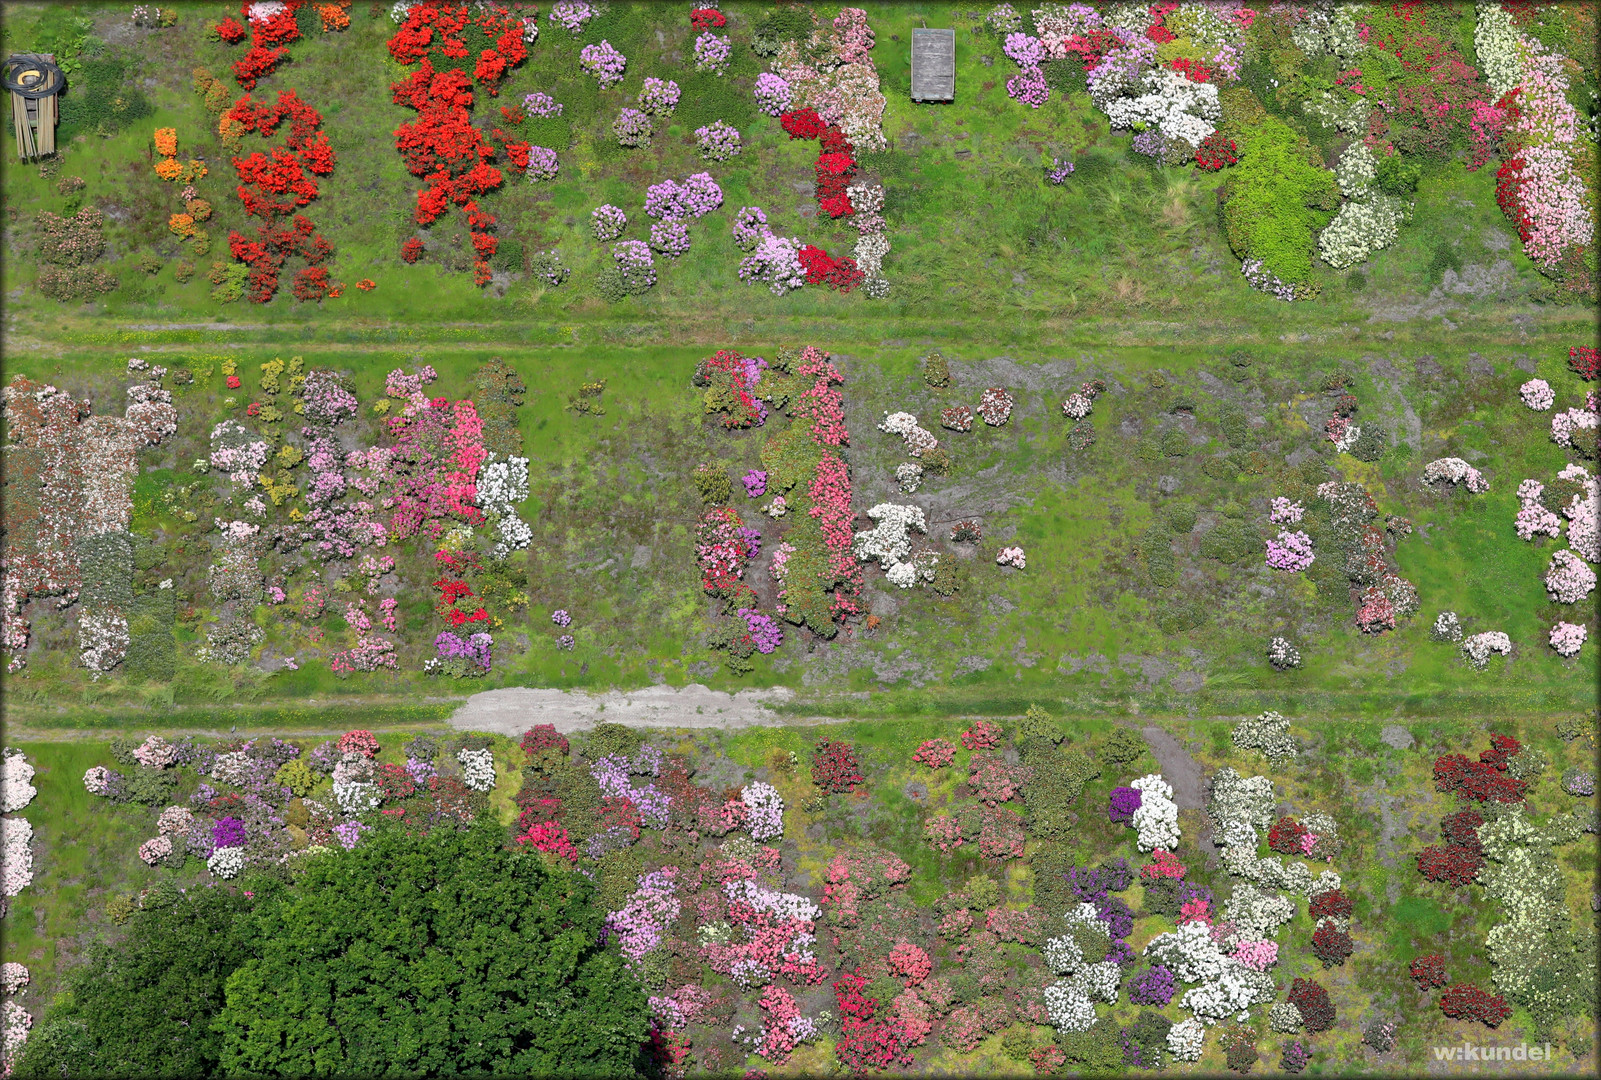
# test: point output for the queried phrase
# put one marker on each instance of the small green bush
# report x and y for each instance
(1231, 541)
(712, 481)
(1398, 175)
(1276, 200)
(1181, 517)
(1157, 548)
(1175, 443)
(1122, 746)
(1181, 616)
(551, 132)
(1372, 444)
(1236, 427)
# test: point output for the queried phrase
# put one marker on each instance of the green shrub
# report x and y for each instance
(1059, 777)
(1399, 176)
(1372, 444)
(706, 97)
(982, 890)
(1444, 258)
(1181, 517)
(712, 481)
(1230, 541)
(1038, 724)
(151, 649)
(1122, 746)
(1096, 1051)
(610, 286)
(1175, 443)
(1157, 548)
(1065, 76)
(1276, 200)
(936, 370)
(608, 738)
(551, 132)
(297, 776)
(152, 787)
(508, 256)
(1236, 427)
(1181, 616)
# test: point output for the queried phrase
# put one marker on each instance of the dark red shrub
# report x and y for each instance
(1464, 1001)
(1451, 864)
(1217, 151)
(707, 19)
(834, 766)
(817, 264)
(1477, 780)
(616, 813)
(1330, 944)
(1461, 830)
(1317, 1011)
(394, 783)
(543, 737)
(1429, 971)
(1502, 748)
(1333, 904)
(1285, 836)
(1585, 361)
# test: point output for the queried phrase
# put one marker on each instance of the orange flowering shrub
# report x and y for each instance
(334, 16)
(199, 209)
(181, 225)
(169, 169)
(167, 142)
(366, 284)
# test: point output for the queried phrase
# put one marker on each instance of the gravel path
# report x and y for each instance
(513, 710)
(1178, 768)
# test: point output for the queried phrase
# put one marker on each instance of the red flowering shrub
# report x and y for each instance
(619, 813)
(267, 35)
(543, 737)
(1194, 71)
(984, 735)
(845, 275)
(1585, 361)
(1429, 971)
(1333, 904)
(1330, 944)
(411, 250)
(233, 382)
(1451, 864)
(1317, 1012)
(394, 783)
(230, 30)
(1216, 151)
(1464, 1001)
(910, 963)
(834, 766)
(935, 753)
(1285, 836)
(707, 19)
(815, 261)
(1477, 780)
(802, 123)
(311, 283)
(1502, 749)
(549, 836)
(1462, 830)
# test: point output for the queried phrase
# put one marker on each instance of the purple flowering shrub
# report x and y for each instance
(1154, 986)
(1124, 801)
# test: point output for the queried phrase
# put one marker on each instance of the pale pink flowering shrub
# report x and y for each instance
(1568, 638)
(1537, 394)
(1573, 424)
(155, 849)
(1285, 512)
(1290, 551)
(910, 963)
(935, 753)
(1568, 580)
(1257, 955)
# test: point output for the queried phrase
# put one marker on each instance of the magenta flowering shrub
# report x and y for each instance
(750, 225)
(228, 832)
(772, 94)
(765, 633)
(633, 258)
(1028, 86)
(659, 96)
(644, 919)
(1291, 551)
(935, 753)
(633, 128)
(607, 222)
(669, 238)
(1124, 801)
(718, 141)
(542, 163)
(540, 105)
(712, 52)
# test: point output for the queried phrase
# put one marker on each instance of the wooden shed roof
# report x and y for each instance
(933, 65)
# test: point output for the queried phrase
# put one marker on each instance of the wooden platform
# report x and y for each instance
(934, 65)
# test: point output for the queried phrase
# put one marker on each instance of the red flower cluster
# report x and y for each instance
(983, 735)
(835, 163)
(1317, 1011)
(1157, 32)
(1216, 151)
(411, 250)
(456, 601)
(1193, 70)
(863, 1042)
(1481, 780)
(1450, 864)
(1330, 944)
(442, 146)
(1585, 361)
(1333, 904)
(1285, 836)
(1464, 1001)
(1429, 971)
(549, 836)
(725, 372)
(1093, 46)
(707, 19)
(842, 274)
(274, 185)
(543, 737)
(834, 766)
(267, 38)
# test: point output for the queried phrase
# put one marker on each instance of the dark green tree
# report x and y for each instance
(143, 1006)
(421, 955)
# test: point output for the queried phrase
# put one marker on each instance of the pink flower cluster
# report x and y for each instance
(1290, 551)
(1533, 518)
(1551, 192)
(935, 753)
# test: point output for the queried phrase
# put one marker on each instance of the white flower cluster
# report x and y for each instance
(14, 1024)
(1581, 512)
(16, 857)
(1533, 518)
(16, 787)
(1361, 228)
(13, 977)
(1495, 45)
(1349, 115)
(766, 807)
(1257, 915)
(1281, 654)
(1269, 733)
(889, 542)
(501, 486)
(102, 638)
(1567, 579)
(1537, 395)
(1234, 991)
(1011, 556)
(910, 476)
(1356, 170)
(226, 862)
(786, 907)
(1479, 647)
(1240, 807)
(1188, 952)
(1329, 31)
(1185, 1039)
(1284, 1018)
(1182, 110)
(1069, 1007)
(477, 769)
(1241, 861)
(1447, 627)
(1100, 981)
(904, 424)
(1453, 470)
(1063, 954)
(1078, 405)
(1157, 817)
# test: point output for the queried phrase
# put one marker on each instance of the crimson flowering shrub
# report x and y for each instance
(1462, 830)
(1285, 836)
(935, 753)
(1317, 1012)
(1502, 749)
(411, 250)
(728, 378)
(984, 735)
(911, 962)
(1451, 865)
(707, 19)
(1585, 361)
(269, 32)
(1464, 1001)
(1429, 971)
(1333, 904)
(1475, 780)
(1165, 865)
(866, 1043)
(834, 766)
(1217, 151)
(1330, 944)
(542, 737)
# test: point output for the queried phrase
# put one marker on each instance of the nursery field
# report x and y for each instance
(1152, 497)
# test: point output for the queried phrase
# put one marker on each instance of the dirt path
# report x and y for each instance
(1178, 768)
(514, 709)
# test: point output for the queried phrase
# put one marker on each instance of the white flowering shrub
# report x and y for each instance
(16, 787)
(356, 797)
(1069, 1007)
(1237, 800)
(1157, 817)
(889, 542)
(1571, 424)
(1495, 46)
(1454, 470)
(765, 810)
(1282, 654)
(1269, 733)
(226, 862)
(1063, 954)
(1011, 556)
(1185, 1039)
(1356, 170)
(1100, 981)
(1537, 395)
(1361, 228)
(1327, 881)
(501, 486)
(905, 425)
(1447, 627)
(16, 857)
(1234, 991)
(1478, 648)
(1284, 1018)
(1581, 512)
(13, 977)
(1180, 109)
(1257, 915)
(910, 476)
(477, 769)
(1188, 952)
(1567, 579)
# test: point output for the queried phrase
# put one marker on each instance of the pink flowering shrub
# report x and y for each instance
(360, 741)
(955, 924)
(1001, 835)
(1165, 865)
(993, 781)
(910, 962)
(1008, 924)
(962, 1029)
(984, 735)
(1257, 955)
(916, 1017)
(853, 878)
(935, 753)
(943, 831)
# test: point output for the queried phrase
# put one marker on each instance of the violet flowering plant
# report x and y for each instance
(772, 94)
(765, 632)
(540, 105)
(659, 96)
(755, 483)
(1124, 801)
(1290, 551)
(604, 62)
